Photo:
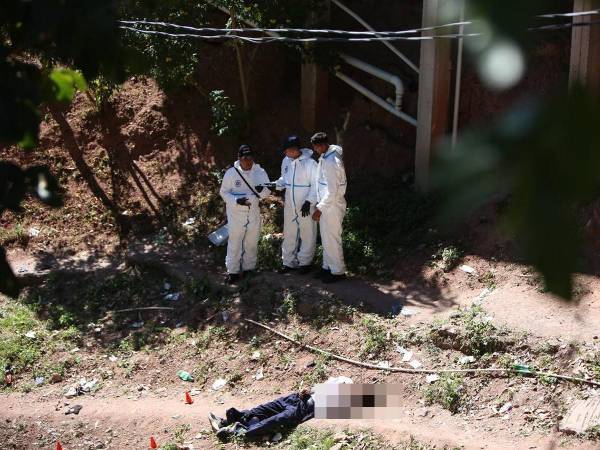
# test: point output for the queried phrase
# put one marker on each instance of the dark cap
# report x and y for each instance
(319, 138)
(291, 141)
(245, 150)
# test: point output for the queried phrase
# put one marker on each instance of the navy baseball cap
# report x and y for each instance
(245, 150)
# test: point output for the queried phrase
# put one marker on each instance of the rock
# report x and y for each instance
(71, 392)
(467, 269)
(73, 410)
(583, 415)
(467, 359)
(255, 355)
(505, 408)
(277, 437)
(56, 378)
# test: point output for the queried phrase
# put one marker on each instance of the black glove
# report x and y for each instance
(305, 209)
(242, 201)
(259, 189)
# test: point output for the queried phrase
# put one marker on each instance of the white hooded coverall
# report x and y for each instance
(328, 193)
(243, 222)
(299, 233)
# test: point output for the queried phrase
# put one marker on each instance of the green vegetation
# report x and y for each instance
(25, 341)
(317, 374)
(446, 391)
(375, 339)
(447, 257)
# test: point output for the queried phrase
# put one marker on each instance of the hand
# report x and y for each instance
(305, 209)
(316, 215)
(243, 201)
(259, 188)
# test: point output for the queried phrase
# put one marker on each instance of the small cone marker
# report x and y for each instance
(188, 399)
(153, 443)
(58, 446)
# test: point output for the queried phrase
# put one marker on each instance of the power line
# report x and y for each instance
(269, 39)
(296, 30)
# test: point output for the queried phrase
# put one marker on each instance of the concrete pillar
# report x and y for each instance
(585, 48)
(434, 93)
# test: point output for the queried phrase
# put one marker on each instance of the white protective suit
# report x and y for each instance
(299, 233)
(243, 222)
(328, 193)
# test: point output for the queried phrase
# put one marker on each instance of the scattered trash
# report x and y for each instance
(384, 364)
(505, 408)
(415, 364)
(195, 392)
(33, 232)
(39, 380)
(188, 223)
(467, 359)
(339, 380)
(467, 269)
(407, 312)
(153, 443)
(173, 297)
(185, 376)
(220, 236)
(73, 410)
(30, 334)
(407, 356)
(432, 378)
(218, 384)
(139, 324)
(255, 355)
(225, 316)
(582, 416)
(259, 374)
(113, 358)
(482, 296)
(277, 437)
(188, 399)
(59, 446)
(87, 385)
(522, 368)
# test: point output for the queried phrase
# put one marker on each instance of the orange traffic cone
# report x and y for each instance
(153, 443)
(58, 446)
(188, 399)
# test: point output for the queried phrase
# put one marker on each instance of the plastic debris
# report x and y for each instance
(33, 232)
(88, 385)
(188, 223)
(113, 358)
(39, 380)
(432, 378)
(30, 334)
(339, 380)
(218, 384)
(407, 312)
(259, 374)
(415, 364)
(175, 296)
(505, 408)
(225, 316)
(139, 324)
(185, 376)
(467, 359)
(384, 364)
(522, 368)
(467, 269)
(255, 355)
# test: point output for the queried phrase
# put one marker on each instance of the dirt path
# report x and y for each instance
(123, 423)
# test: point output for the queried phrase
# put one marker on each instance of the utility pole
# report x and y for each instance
(585, 48)
(434, 93)
(314, 83)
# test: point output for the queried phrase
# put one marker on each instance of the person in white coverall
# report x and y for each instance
(298, 170)
(242, 188)
(328, 193)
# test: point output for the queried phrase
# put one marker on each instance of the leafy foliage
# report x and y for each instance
(446, 391)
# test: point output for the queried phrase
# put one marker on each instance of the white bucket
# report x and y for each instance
(219, 237)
